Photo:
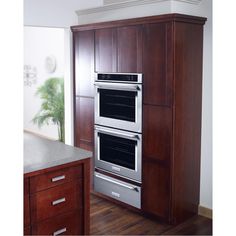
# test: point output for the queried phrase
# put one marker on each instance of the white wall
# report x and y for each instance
(34, 10)
(55, 13)
(59, 13)
(40, 42)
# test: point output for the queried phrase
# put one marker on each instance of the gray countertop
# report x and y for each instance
(41, 153)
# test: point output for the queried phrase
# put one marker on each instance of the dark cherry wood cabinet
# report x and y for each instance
(156, 189)
(84, 61)
(106, 50)
(157, 133)
(167, 50)
(84, 132)
(26, 207)
(157, 63)
(129, 49)
(118, 49)
(56, 200)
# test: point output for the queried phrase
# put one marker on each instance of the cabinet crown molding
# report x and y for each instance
(113, 5)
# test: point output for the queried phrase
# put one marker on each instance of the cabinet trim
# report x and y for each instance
(142, 20)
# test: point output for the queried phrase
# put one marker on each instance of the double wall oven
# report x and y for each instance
(118, 134)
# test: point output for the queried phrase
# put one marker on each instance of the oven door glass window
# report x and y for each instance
(118, 151)
(117, 104)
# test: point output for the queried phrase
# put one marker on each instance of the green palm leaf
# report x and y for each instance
(52, 108)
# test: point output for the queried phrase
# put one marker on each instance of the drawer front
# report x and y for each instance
(26, 211)
(119, 190)
(57, 200)
(66, 224)
(55, 178)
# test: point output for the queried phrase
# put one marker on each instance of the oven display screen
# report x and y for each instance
(118, 104)
(116, 150)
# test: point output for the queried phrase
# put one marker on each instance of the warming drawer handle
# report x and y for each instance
(60, 231)
(118, 183)
(58, 201)
(61, 177)
(118, 134)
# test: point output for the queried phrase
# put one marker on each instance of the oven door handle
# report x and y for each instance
(116, 182)
(118, 134)
(117, 86)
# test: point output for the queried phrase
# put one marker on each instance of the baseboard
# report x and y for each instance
(204, 211)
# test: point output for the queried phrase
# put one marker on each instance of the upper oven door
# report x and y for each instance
(119, 105)
(118, 152)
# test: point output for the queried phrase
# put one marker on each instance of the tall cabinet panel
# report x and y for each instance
(106, 50)
(129, 49)
(157, 133)
(167, 50)
(84, 120)
(84, 88)
(157, 82)
(84, 62)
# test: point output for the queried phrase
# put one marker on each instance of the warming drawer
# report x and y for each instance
(119, 190)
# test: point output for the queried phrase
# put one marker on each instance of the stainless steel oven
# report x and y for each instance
(119, 152)
(118, 101)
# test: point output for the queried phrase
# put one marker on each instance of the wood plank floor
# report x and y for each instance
(108, 218)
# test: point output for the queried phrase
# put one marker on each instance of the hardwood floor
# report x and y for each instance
(110, 219)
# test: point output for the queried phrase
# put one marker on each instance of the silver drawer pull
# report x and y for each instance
(60, 231)
(115, 194)
(118, 183)
(58, 201)
(55, 179)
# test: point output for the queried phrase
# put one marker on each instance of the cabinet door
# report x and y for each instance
(84, 63)
(157, 64)
(105, 50)
(156, 189)
(157, 131)
(84, 123)
(129, 49)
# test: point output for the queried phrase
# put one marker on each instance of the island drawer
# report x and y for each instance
(55, 201)
(55, 178)
(66, 224)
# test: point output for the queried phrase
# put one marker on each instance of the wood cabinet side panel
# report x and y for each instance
(187, 120)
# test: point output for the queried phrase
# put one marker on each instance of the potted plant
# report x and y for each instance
(52, 107)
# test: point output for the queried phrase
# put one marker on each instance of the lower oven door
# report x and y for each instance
(118, 152)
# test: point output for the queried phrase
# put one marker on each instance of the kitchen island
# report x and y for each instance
(56, 187)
